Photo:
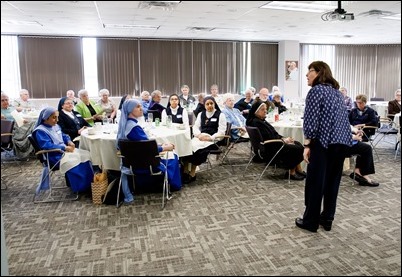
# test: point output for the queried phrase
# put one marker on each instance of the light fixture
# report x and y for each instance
(21, 22)
(394, 17)
(297, 6)
(131, 26)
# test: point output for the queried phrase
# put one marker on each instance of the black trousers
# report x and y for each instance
(324, 173)
(365, 160)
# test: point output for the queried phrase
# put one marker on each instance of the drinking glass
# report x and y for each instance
(150, 117)
(169, 121)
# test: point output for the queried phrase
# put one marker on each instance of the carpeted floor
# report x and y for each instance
(227, 226)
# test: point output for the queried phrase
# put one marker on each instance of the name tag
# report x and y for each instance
(78, 115)
(179, 116)
(214, 119)
(58, 132)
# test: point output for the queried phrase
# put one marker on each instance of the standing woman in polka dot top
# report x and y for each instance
(327, 136)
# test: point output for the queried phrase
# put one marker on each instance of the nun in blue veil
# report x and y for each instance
(74, 163)
(130, 129)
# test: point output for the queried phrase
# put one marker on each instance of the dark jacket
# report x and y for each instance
(70, 126)
(394, 107)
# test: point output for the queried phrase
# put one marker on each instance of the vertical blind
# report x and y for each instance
(50, 66)
(118, 66)
(165, 65)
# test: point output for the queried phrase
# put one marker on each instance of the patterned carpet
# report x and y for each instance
(227, 226)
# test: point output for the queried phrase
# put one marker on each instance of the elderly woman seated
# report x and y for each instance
(276, 99)
(244, 104)
(364, 160)
(22, 148)
(363, 115)
(71, 122)
(234, 116)
(290, 156)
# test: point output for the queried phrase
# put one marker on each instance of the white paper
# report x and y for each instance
(18, 118)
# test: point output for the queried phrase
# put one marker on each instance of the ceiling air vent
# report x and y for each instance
(376, 13)
(200, 29)
(165, 5)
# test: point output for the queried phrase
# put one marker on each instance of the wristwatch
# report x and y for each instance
(306, 145)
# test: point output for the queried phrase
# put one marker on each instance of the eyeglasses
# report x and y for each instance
(4, 100)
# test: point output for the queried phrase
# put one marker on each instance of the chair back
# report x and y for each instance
(376, 99)
(141, 154)
(35, 145)
(155, 114)
(255, 139)
(7, 127)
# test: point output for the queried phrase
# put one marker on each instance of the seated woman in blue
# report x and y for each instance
(74, 163)
(48, 135)
(129, 129)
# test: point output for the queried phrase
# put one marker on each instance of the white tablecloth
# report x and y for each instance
(102, 146)
(289, 129)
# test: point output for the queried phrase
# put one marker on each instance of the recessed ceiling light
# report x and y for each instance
(130, 26)
(315, 7)
(20, 22)
(394, 17)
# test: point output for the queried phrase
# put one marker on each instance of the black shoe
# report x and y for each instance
(303, 173)
(189, 179)
(300, 224)
(295, 176)
(363, 181)
(369, 184)
(357, 177)
(326, 224)
(185, 178)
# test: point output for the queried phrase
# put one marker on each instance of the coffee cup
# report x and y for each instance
(91, 131)
(98, 126)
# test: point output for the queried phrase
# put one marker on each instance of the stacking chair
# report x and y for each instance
(47, 172)
(143, 156)
(259, 148)
(387, 127)
(380, 133)
(223, 147)
(232, 142)
(7, 127)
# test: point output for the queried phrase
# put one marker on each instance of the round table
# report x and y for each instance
(102, 145)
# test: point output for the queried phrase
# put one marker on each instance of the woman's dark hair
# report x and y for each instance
(324, 74)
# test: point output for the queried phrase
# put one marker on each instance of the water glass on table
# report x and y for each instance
(150, 117)
(169, 121)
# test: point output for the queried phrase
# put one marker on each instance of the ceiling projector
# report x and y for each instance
(338, 14)
(341, 16)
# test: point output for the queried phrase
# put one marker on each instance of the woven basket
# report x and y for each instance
(99, 188)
